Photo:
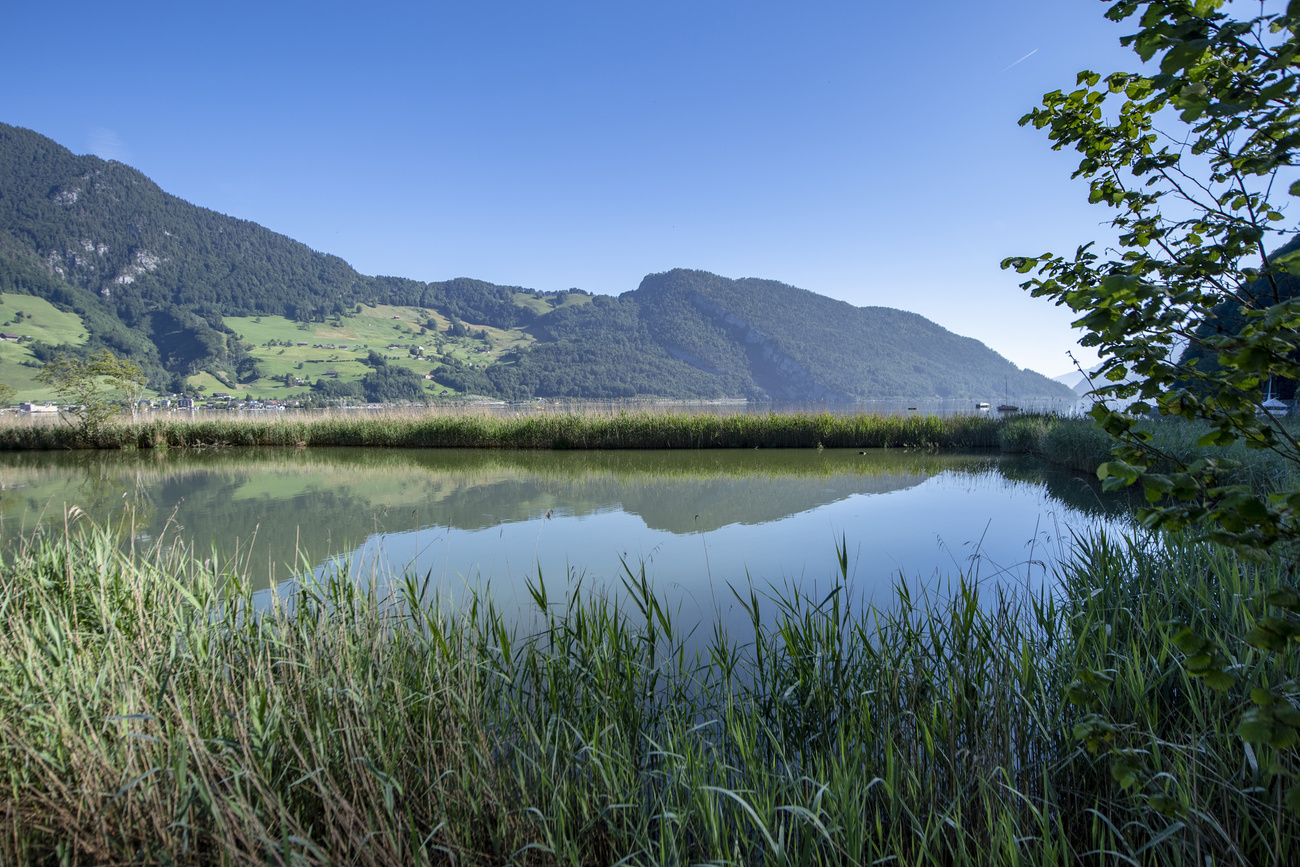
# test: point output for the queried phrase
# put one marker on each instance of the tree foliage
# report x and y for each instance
(693, 334)
(386, 383)
(1192, 313)
(1195, 311)
(97, 387)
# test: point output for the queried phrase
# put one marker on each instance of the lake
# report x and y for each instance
(696, 521)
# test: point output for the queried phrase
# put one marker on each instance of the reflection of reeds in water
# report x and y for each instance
(476, 465)
(1083, 446)
(148, 718)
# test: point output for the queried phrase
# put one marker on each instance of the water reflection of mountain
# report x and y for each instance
(323, 500)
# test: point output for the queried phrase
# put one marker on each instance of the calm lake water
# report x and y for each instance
(697, 521)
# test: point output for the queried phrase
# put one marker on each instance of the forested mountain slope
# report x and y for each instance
(797, 343)
(696, 334)
(1228, 318)
(157, 279)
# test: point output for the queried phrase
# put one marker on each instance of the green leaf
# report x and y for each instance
(1118, 470)
(1262, 697)
(1080, 697)
(1287, 715)
(1219, 681)
(1094, 731)
(1156, 486)
(1265, 639)
(1254, 731)
(1284, 597)
(1260, 725)
(1127, 771)
(1285, 627)
(1189, 642)
(1292, 800)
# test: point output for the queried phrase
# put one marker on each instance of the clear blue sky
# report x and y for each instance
(864, 150)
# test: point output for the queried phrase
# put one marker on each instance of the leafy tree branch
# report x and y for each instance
(1196, 312)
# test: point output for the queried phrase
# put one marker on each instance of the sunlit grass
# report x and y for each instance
(33, 319)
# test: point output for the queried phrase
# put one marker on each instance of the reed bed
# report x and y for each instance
(151, 712)
(1081, 445)
(616, 430)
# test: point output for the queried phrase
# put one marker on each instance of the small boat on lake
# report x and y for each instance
(1276, 408)
(1008, 406)
(1271, 406)
(983, 404)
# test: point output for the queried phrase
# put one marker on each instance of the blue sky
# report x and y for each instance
(868, 151)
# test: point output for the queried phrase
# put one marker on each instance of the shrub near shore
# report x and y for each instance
(148, 717)
(1080, 444)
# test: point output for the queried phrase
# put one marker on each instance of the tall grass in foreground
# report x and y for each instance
(147, 718)
(621, 430)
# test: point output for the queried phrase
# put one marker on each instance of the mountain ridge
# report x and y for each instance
(159, 280)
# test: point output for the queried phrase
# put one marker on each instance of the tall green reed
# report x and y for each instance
(1079, 444)
(154, 710)
(619, 430)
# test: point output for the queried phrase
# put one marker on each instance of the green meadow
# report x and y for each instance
(277, 344)
(316, 348)
(36, 319)
(544, 305)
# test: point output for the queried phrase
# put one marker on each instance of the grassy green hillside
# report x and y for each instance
(33, 319)
(308, 351)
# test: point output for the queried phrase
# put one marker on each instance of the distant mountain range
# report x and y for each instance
(1076, 381)
(174, 287)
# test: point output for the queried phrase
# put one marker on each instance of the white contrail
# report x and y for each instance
(1021, 60)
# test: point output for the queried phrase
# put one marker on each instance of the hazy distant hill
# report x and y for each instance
(1076, 381)
(155, 278)
(795, 344)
